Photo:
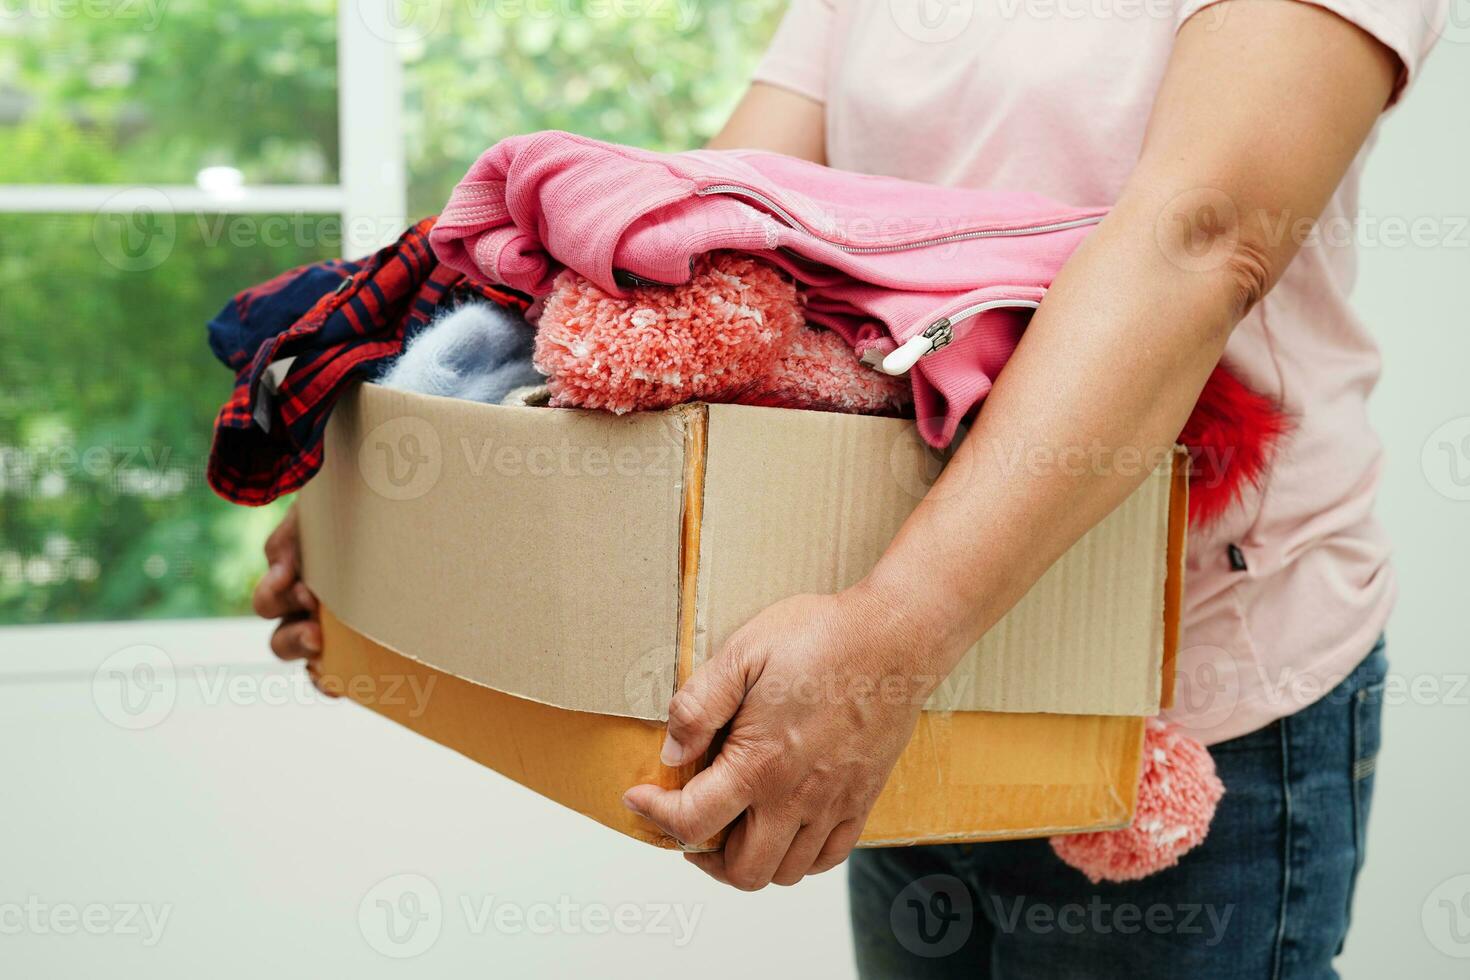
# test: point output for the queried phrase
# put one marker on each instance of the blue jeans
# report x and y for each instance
(1265, 897)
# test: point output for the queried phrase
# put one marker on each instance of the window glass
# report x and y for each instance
(106, 91)
(107, 388)
(107, 398)
(660, 74)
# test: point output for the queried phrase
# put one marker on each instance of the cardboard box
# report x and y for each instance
(551, 576)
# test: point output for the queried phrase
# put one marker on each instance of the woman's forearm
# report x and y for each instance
(1100, 387)
(1112, 363)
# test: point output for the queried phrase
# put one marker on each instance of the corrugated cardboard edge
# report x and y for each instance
(691, 519)
(584, 761)
(1178, 537)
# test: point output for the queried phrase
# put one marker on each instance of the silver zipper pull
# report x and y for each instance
(935, 336)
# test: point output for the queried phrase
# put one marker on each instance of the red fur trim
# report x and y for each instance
(1230, 435)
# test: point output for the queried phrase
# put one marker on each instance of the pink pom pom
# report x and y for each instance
(1177, 794)
(709, 339)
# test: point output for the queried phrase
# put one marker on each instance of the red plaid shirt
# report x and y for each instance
(268, 437)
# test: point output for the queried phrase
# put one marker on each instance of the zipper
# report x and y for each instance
(735, 190)
(940, 334)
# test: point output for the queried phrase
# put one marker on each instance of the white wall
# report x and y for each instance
(262, 829)
(1417, 300)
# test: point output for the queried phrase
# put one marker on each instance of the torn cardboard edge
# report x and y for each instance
(691, 517)
(1177, 549)
(597, 646)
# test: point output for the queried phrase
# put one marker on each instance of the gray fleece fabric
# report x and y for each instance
(477, 352)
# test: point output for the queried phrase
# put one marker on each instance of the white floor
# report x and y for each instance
(176, 802)
(252, 828)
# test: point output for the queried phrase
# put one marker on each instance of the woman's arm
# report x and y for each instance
(1258, 117)
(776, 119)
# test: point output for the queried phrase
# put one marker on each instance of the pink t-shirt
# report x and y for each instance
(1052, 96)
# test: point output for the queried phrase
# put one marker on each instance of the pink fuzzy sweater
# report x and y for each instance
(948, 274)
(734, 333)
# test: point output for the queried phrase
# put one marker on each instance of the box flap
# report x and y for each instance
(807, 501)
(964, 775)
(535, 551)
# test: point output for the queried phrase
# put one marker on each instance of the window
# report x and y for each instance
(157, 158)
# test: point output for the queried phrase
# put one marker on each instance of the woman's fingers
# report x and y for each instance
(706, 804)
(802, 854)
(274, 594)
(761, 851)
(283, 545)
(314, 671)
(756, 847)
(297, 639)
(280, 592)
(711, 863)
(303, 598)
(840, 842)
(814, 849)
(703, 705)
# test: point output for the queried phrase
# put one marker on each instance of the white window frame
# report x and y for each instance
(371, 192)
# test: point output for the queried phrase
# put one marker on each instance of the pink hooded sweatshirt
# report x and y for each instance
(936, 281)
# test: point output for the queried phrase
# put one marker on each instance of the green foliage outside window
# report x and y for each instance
(107, 389)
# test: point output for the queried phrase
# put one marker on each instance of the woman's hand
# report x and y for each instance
(824, 692)
(282, 595)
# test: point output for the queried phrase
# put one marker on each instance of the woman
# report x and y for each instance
(1218, 134)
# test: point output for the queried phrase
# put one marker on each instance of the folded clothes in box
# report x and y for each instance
(550, 576)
